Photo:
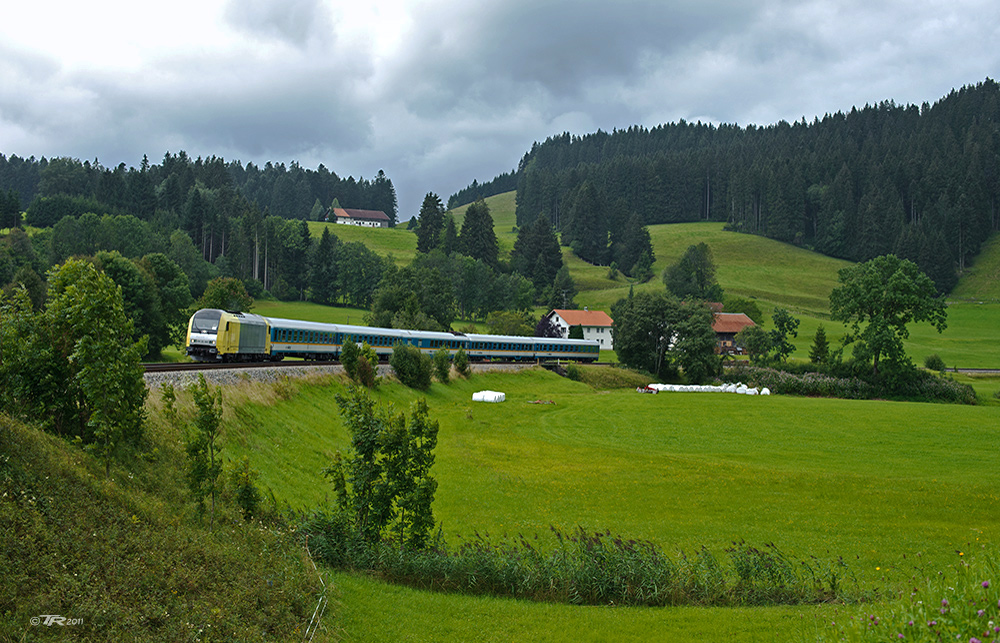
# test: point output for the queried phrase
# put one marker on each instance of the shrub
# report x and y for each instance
(462, 362)
(367, 373)
(349, 359)
(412, 367)
(573, 372)
(242, 478)
(442, 365)
(934, 363)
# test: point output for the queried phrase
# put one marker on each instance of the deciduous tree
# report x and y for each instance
(203, 448)
(694, 275)
(877, 299)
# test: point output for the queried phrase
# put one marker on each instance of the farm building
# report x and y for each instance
(596, 324)
(367, 218)
(726, 325)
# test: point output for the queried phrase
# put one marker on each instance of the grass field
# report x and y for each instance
(888, 486)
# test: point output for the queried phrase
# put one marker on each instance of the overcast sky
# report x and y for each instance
(442, 92)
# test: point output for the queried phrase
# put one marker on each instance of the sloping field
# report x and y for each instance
(981, 281)
(888, 486)
(747, 265)
(398, 242)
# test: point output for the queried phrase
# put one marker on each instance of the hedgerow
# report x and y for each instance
(914, 385)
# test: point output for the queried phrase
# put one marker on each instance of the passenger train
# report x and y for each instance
(217, 335)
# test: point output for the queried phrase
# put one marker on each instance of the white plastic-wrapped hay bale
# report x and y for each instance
(765, 391)
(488, 396)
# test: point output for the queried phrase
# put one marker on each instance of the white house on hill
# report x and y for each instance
(367, 218)
(596, 324)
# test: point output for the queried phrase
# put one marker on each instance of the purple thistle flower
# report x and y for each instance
(944, 602)
(986, 583)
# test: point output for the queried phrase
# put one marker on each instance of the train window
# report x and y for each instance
(206, 321)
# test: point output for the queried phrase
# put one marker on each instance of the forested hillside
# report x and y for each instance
(290, 192)
(921, 182)
(210, 217)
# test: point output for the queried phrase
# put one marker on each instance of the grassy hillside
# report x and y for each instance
(128, 558)
(399, 243)
(891, 487)
(981, 281)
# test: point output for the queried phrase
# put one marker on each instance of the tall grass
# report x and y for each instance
(959, 602)
(588, 569)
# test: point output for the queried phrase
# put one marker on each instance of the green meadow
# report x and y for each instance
(398, 243)
(888, 486)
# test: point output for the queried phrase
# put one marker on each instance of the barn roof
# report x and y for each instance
(584, 317)
(730, 322)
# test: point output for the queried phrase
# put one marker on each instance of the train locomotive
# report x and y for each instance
(223, 336)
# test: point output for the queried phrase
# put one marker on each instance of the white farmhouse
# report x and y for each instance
(596, 324)
(366, 218)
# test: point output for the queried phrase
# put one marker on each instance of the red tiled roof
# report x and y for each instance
(370, 215)
(730, 322)
(584, 317)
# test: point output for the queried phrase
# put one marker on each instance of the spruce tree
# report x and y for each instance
(819, 353)
(477, 238)
(431, 223)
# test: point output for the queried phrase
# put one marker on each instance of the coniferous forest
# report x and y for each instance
(210, 216)
(921, 182)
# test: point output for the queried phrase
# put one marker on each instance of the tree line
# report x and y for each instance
(921, 182)
(149, 191)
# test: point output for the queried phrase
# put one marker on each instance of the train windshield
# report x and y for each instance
(206, 322)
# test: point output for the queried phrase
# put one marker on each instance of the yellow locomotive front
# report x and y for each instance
(217, 335)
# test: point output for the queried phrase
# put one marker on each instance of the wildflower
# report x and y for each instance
(986, 583)
(944, 602)
(980, 612)
(931, 623)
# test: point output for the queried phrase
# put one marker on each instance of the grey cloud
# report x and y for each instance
(294, 22)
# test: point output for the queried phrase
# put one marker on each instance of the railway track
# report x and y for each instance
(179, 367)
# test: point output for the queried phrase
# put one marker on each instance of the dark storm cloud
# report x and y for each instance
(493, 55)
